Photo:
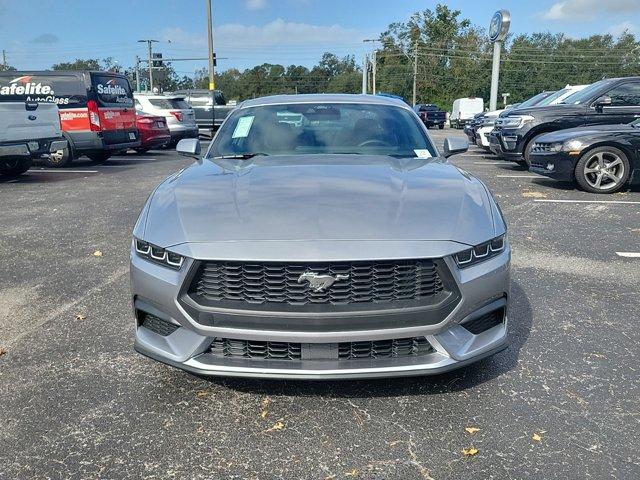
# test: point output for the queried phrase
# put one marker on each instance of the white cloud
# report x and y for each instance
(256, 4)
(580, 10)
(620, 28)
(277, 32)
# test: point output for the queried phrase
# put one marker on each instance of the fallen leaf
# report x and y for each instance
(352, 473)
(97, 253)
(470, 452)
(265, 407)
(279, 425)
(394, 443)
(200, 429)
(80, 316)
(472, 430)
(531, 194)
(635, 230)
(536, 437)
(202, 394)
(3, 351)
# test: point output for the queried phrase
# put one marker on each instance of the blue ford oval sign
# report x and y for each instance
(499, 26)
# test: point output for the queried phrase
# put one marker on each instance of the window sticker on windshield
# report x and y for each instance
(243, 127)
(422, 153)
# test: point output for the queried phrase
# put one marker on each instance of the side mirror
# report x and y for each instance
(455, 146)
(603, 101)
(189, 147)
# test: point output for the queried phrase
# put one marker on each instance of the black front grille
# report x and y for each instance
(485, 322)
(375, 282)
(542, 147)
(225, 347)
(259, 350)
(158, 325)
(401, 347)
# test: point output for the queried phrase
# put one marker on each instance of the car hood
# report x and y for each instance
(588, 131)
(558, 110)
(320, 197)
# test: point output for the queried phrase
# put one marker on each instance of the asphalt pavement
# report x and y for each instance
(563, 401)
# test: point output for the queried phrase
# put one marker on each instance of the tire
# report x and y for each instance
(141, 151)
(441, 127)
(16, 167)
(99, 157)
(523, 163)
(603, 170)
(60, 158)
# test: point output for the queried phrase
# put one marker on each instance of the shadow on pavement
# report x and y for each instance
(520, 321)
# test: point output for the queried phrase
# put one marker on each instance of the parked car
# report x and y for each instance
(154, 132)
(559, 96)
(178, 114)
(96, 109)
(610, 101)
(484, 125)
(210, 108)
(431, 115)
(599, 158)
(290, 251)
(469, 128)
(464, 109)
(28, 130)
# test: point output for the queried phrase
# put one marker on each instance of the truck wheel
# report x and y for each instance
(59, 158)
(441, 126)
(15, 167)
(99, 157)
(603, 170)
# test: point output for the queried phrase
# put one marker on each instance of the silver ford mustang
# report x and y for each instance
(320, 236)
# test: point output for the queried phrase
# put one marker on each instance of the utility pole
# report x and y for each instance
(137, 74)
(212, 73)
(374, 64)
(149, 42)
(365, 71)
(415, 73)
(4, 58)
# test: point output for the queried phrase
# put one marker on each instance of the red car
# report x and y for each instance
(154, 132)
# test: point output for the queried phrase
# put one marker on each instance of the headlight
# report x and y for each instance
(572, 146)
(515, 121)
(480, 253)
(158, 255)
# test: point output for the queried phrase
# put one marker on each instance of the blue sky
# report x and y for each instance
(38, 33)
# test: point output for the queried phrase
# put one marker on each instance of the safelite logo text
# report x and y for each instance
(25, 86)
(111, 88)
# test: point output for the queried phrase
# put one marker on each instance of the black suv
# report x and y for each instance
(610, 101)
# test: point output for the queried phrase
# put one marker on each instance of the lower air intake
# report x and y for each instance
(485, 322)
(401, 347)
(158, 325)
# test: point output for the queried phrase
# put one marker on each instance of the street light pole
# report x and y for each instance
(374, 64)
(415, 73)
(212, 73)
(365, 70)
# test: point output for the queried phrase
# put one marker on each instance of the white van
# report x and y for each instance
(464, 109)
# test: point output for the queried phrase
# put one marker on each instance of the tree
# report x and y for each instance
(79, 64)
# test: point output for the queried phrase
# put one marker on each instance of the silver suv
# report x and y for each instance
(180, 117)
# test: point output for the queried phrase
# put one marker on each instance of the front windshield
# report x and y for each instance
(322, 128)
(534, 100)
(551, 98)
(585, 94)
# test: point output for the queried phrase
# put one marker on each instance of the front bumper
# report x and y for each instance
(482, 136)
(557, 165)
(32, 148)
(178, 134)
(484, 288)
(506, 144)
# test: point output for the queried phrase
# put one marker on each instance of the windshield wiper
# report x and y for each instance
(241, 156)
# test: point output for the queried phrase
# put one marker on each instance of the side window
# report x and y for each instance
(625, 95)
(138, 105)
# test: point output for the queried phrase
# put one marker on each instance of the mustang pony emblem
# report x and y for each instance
(318, 282)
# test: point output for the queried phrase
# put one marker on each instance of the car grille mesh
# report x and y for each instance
(158, 325)
(539, 147)
(261, 350)
(402, 347)
(277, 283)
(485, 322)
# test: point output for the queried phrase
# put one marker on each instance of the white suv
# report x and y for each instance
(180, 117)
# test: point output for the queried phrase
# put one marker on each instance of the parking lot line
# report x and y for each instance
(628, 254)
(490, 163)
(517, 176)
(618, 202)
(44, 170)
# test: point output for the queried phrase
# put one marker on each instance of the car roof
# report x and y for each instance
(156, 95)
(324, 98)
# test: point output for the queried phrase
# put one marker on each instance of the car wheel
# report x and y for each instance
(16, 167)
(141, 151)
(59, 158)
(441, 127)
(603, 170)
(99, 157)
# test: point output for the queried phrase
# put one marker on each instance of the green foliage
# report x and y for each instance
(79, 64)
